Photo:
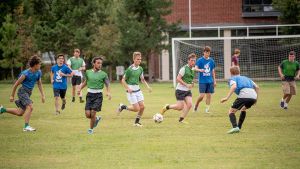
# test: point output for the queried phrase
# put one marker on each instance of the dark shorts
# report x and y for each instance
(206, 88)
(76, 80)
(181, 95)
(241, 102)
(60, 93)
(24, 98)
(94, 101)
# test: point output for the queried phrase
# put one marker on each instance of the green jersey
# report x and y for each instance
(188, 75)
(133, 75)
(76, 63)
(96, 80)
(289, 69)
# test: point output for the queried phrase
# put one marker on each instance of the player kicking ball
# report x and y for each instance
(58, 76)
(27, 78)
(95, 80)
(183, 92)
(247, 92)
(130, 81)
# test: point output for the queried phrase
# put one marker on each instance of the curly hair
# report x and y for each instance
(34, 60)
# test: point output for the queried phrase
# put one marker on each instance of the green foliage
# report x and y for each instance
(143, 26)
(10, 45)
(290, 10)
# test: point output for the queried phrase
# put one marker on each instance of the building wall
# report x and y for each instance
(214, 13)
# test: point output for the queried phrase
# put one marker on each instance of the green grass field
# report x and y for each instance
(270, 137)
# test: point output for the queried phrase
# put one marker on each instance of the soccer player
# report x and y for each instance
(207, 78)
(288, 71)
(130, 81)
(183, 92)
(235, 57)
(77, 64)
(58, 75)
(27, 78)
(95, 80)
(247, 92)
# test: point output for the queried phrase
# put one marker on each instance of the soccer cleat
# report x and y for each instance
(81, 101)
(164, 109)
(90, 131)
(183, 122)
(282, 104)
(195, 109)
(29, 128)
(233, 130)
(137, 125)
(63, 106)
(285, 106)
(207, 110)
(57, 112)
(121, 108)
(98, 118)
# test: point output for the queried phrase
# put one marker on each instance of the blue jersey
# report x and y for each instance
(241, 83)
(208, 65)
(30, 78)
(60, 82)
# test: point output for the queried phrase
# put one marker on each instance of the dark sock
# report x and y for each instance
(3, 110)
(168, 107)
(124, 107)
(80, 98)
(137, 119)
(73, 99)
(181, 119)
(26, 124)
(233, 120)
(241, 119)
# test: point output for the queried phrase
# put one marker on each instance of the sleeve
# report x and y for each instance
(67, 70)
(232, 82)
(182, 71)
(126, 73)
(281, 65)
(69, 62)
(213, 65)
(52, 69)
(142, 74)
(298, 66)
(39, 75)
(83, 62)
(85, 75)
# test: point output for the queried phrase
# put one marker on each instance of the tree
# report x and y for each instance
(290, 14)
(143, 27)
(63, 25)
(10, 45)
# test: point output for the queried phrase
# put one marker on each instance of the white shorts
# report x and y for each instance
(135, 97)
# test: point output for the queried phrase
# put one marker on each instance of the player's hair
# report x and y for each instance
(77, 50)
(292, 53)
(60, 55)
(135, 54)
(237, 51)
(207, 49)
(192, 55)
(34, 60)
(235, 70)
(97, 58)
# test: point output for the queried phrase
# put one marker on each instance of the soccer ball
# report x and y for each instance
(158, 118)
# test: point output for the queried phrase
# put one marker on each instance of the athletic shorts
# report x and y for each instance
(135, 97)
(241, 102)
(76, 80)
(94, 101)
(289, 87)
(181, 95)
(59, 93)
(24, 97)
(206, 88)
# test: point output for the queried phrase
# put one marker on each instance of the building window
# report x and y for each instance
(259, 8)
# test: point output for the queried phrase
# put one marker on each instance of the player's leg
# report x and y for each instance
(286, 94)
(202, 91)
(78, 86)
(248, 103)
(180, 95)
(56, 93)
(27, 115)
(63, 98)
(140, 113)
(210, 91)
(13, 111)
(237, 105)
(133, 100)
(73, 79)
(293, 89)
(187, 105)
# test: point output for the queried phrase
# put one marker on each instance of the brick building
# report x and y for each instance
(214, 13)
